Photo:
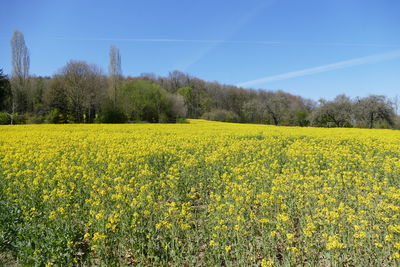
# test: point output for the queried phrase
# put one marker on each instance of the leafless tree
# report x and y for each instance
(20, 72)
(335, 113)
(178, 105)
(84, 86)
(277, 106)
(115, 72)
(396, 104)
(177, 80)
(372, 109)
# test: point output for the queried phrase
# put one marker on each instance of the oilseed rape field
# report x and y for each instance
(199, 194)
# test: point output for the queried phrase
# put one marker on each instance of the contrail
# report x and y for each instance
(334, 66)
(199, 41)
(162, 40)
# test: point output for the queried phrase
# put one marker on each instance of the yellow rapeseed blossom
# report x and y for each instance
(208, 192)
(334, 243)
(97, 236)
(266, 263)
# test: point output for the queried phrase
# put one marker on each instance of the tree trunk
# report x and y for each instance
(371, 120)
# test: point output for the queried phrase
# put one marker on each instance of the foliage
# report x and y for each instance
(145, 101)
(5, 118)
(5, 92)
(221, 115)
(34, 119)
(55, 116)
(13, 118)
(81, 93)
(188, 96)
(204, 193)
(300, 118)
(182, 120)
(111, 114)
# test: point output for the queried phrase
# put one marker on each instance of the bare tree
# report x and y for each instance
(84, 86)
(372, 109)
(277, 106)
(177, 80)
(20, 72)
(396, 104)
(178, 105)
(115, 72)
(55, 97)
(335, 113)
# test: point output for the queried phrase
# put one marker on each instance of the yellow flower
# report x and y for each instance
(185, 226)
(388, 238)
(211, 182)
(309, 230)
(290, 237)
(360, 235)
(376, 227)
(394, 228)
(334, 243)
(98, 236)
(266, 263)
(52, 215)
(283, 217)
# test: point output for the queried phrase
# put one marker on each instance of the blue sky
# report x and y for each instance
(311, 48)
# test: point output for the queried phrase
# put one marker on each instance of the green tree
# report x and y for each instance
(144, 101)
(5, 92)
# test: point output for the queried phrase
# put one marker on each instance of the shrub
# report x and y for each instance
(19, 119)
(5, 118)
(34, 119)
(221, 115)
(112, 115)
(181, 120)
(164, 118)
(55, 116)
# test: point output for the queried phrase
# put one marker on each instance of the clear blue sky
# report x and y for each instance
(311, 48)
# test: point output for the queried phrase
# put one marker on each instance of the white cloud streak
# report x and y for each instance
(166, 40)
(198, 41)
(329, 67)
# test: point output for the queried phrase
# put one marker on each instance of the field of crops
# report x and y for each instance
(202, 194)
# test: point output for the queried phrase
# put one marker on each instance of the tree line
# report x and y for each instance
(82, 93)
